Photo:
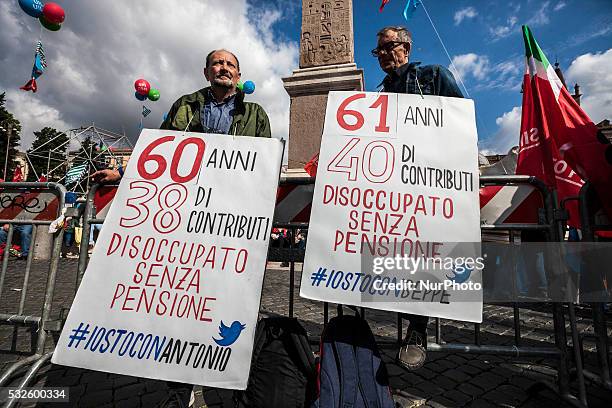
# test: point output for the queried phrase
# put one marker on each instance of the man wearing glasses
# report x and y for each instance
(393, 52)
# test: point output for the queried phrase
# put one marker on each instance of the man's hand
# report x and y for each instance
(106, 176)
(5, 227)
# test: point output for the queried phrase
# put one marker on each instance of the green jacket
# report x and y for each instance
(249, 118)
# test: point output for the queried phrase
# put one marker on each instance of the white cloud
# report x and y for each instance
(504, 30)
(104, 46)
(462, 14)
(32, 111)
(589, 34)
(507, 67)
(505, 75)
(592, 73)
(560, 5)
(541, 16)
(507, 134)
(471, 64)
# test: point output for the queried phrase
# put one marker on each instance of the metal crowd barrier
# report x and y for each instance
(89, 219)
(551, 223)
(36, 204)
(592, 221)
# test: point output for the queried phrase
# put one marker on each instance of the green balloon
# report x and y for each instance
(239, 85)
(49, 25)
(153, 94)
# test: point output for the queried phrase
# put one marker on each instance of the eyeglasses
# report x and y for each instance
(386, 48)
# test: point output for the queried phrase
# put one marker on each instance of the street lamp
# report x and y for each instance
(9, 130)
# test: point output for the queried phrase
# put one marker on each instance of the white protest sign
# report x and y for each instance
(395, 215)
(173, 287)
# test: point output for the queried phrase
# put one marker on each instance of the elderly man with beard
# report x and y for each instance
(219, 108)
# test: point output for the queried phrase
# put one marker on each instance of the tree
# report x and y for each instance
(93, 153)
(86, 151)
(48, 151)
(9, 126)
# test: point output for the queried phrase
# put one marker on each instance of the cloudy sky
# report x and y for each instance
(105, 45)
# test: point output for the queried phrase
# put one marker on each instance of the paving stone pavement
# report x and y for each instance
(446, 380)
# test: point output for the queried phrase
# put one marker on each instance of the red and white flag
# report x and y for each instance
(558, 141)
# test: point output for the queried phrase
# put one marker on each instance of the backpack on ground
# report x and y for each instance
(282, 367)
(351, 371)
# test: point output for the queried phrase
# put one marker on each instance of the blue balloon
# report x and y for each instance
(139, 96)
(248, 87)
(32, 8)
(165, 116)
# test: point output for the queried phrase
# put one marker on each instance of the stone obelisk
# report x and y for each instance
(327, 63)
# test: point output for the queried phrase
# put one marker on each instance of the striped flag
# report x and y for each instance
(145, 111)
(75, 173)
(40, 52)
(40, 64)
(559, 143)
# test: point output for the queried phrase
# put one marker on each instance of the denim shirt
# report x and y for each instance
(217, 116)
(429, 80)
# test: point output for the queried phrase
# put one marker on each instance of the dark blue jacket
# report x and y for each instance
(432, 79)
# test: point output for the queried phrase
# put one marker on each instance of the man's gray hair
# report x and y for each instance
(403, 34)
(210, 54)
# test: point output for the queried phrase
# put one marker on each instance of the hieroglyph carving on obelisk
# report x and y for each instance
(327, 33)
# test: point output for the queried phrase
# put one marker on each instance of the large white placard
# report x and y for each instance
(172, 290)
(395, 216)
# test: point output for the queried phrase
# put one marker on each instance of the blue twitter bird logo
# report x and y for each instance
(229, 334)
(460, 275)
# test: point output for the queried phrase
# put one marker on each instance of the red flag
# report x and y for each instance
(42, 179)
(558, 141)
(312, 165)
(17, 175)
(30, 86)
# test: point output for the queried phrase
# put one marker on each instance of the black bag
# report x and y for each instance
(282, 368)
(351, 370)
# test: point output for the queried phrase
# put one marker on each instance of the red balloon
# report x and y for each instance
(54, 13)
(142, 86)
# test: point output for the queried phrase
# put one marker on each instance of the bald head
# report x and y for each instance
(222, 71)
(210, 54)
